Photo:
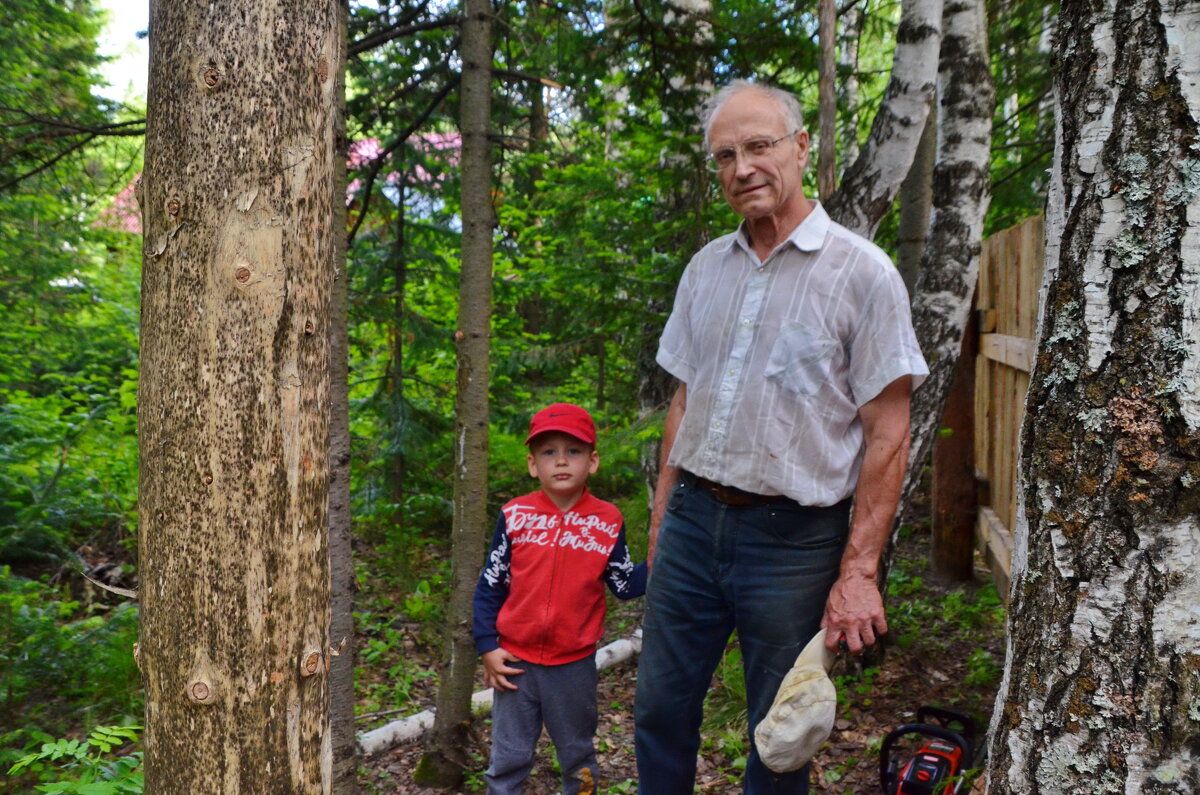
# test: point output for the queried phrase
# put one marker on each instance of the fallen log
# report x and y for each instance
(414, 726)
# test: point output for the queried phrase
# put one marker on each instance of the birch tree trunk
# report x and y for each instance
(916, 200)
(446, 756)
(870, 185)
(1101, 682)
(946, 284)
(238, 263)
(851, 17)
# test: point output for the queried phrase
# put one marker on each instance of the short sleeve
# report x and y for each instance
(675, 345)
(884, 346)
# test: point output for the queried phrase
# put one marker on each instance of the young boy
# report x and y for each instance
(539, 605)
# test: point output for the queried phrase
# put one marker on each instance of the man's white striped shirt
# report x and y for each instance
(778, 356)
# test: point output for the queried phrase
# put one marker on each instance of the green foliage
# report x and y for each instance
(1023, 129)
(80, 767)
(60, 660)
(46, 77)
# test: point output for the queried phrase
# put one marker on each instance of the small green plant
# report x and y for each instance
(421, 605)
(982, 669)
(81, 767)
(473, 779)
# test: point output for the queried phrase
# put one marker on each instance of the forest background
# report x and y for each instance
(600, 195)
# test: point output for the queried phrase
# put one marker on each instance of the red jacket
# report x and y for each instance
(541, 592)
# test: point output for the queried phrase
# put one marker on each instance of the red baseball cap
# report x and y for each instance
(565, 417)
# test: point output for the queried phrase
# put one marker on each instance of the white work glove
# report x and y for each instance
(802, 715)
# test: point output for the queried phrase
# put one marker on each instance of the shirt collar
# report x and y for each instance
(809, 235)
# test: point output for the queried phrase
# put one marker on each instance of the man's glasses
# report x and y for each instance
(755, 148)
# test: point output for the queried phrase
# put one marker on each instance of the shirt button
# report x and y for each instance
(731, 371)
(745, 321)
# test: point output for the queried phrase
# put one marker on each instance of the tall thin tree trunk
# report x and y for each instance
(827, 105)
(852, 14)
(233, 404)
(1101, 682)
(446, 757)
(870, 185)
(397, 471)
(341, 559)
(961, 181)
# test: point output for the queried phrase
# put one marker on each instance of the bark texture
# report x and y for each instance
(950, 267)
(238, 263)
(851, 17)
(1102, 679)
(341, 559)
(916, 201)
(871, 184)
(446, 758)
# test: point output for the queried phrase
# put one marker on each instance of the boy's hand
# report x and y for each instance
(496, 670)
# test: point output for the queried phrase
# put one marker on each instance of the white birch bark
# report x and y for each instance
(870, 185)
(851, 16)
(946, 284)
(1101, 679)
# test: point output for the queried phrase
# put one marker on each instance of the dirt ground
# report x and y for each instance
(932, 667)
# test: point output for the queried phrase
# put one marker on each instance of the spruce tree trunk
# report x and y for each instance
(341, 559)
(233, 404)
(1101, 681)
(446, 756)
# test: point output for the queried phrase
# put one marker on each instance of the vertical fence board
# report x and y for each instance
(1010, 277)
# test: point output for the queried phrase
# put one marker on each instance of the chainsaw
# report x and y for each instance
(937, 766)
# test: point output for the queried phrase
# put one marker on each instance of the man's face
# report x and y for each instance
(759, 186)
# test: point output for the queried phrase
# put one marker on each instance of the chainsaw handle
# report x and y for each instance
(923, 729)
(946, 718)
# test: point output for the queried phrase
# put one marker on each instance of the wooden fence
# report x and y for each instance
(1006, 300)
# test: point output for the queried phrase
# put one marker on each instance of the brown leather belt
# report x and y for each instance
(731, 495)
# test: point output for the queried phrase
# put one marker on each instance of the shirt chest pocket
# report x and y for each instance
(801, 359)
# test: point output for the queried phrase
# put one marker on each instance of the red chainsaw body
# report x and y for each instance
(931, 770)
(936, 767)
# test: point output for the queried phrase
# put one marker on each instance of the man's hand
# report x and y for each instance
(496, 670)
(854, 612)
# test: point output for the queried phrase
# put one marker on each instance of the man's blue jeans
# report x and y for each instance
(763, 570)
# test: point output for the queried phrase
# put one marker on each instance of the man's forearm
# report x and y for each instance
(854, 611)
(875, 502)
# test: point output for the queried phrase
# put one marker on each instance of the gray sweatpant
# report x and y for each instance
(561, 697)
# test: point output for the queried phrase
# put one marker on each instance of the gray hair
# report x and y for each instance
(789, 106)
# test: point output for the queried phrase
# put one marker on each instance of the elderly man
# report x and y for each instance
(793, 345)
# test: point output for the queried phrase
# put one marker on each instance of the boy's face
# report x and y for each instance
(562, 463)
